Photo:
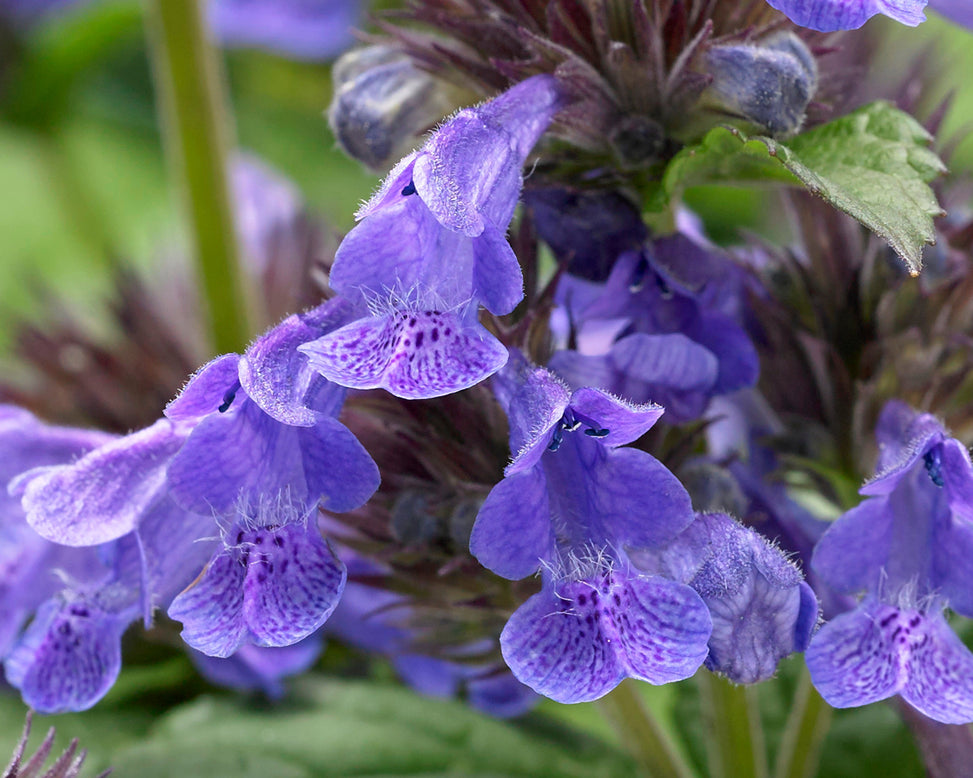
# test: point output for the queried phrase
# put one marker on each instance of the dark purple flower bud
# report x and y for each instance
(768, 84)
(586, 230)
(301, 29)
(831, 15)
(381, 104)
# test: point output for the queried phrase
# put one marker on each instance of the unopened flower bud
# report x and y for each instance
(769, 84)
(381, 104)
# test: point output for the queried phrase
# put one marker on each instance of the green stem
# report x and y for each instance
(807, 724)
(192, 106)
(737, 737)
(642, 734)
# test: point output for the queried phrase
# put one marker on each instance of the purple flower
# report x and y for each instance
(571, 502)
(762, 609)
(909, 547)
(830, 15)
(431, 248)
(662, 329)
(84, 598)
(302, 29)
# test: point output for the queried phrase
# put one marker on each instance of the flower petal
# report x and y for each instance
(206, 391)
(103, 495)
(940, 681)
(293, 584)
(413, 355)
(211, 609)
(513, 533)
(68, 658)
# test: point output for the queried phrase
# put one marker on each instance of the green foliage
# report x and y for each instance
(873, 164)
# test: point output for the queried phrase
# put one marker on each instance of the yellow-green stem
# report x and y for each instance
(807, 724)
(192, 107)
(737, 743)
(642, 734)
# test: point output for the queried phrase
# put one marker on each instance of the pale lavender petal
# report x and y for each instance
(276, 376)
(940, 668)
(672, 360)
(103, 495)
(242, 456)
(463, 167)
(413, 355)
(575, 643)
(337, 468)
(626, 422)
(497, 280)
(854, 659)
(957, 476)
(293, 584)
(831, 15)
(662, 627)
(513, 531)
(207, 390)
(634, 500)
(904, 436)
(390, 192)
(68, 658)
(211, 609)
(401, 253)
(559, 651)
(853, 551)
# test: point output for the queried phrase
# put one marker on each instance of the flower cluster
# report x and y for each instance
(519, 452)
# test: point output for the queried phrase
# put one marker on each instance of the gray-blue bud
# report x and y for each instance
(768, 84)
(382, 104)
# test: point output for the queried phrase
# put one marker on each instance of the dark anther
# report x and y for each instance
(591, 432)
(556, 438)
(228, 399)
(410, 189)
(638, 277)
(933, 461)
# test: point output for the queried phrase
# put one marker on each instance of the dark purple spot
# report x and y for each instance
(419, 338)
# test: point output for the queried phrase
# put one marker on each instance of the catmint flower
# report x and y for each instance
(909, 548)
(762, 609)
(662, 328)
(571, 502)
(265, 450)
(431, 247)
(300, 29)
(82, 598)
(381, 103)
(768, 84)
(830, 15)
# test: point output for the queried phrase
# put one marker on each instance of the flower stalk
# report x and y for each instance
(197, 137)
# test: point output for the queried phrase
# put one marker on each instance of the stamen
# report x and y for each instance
(637, 284)
(410, 189)
(933, 462)
(593, 432)
(228, 399)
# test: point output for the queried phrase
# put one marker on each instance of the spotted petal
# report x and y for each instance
(412, 355)
(68, 658)
(577, 641)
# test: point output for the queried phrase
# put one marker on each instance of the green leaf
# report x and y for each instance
(873, 164)
(360, 729)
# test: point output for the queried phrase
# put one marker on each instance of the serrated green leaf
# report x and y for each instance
(360, 729)
(873, 164)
